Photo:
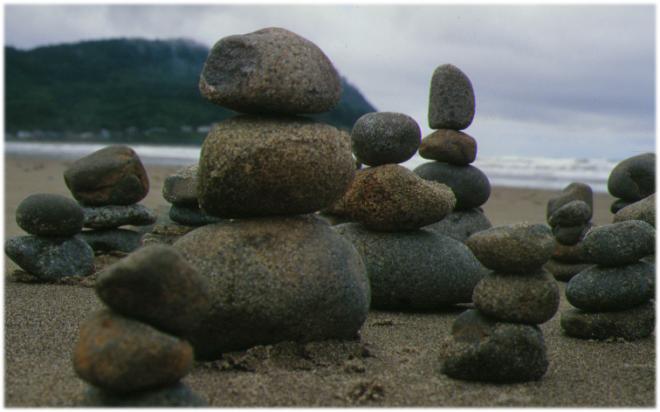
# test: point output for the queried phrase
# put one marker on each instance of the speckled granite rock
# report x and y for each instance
(383, 137)
(451, 100)
(620, 243)
(450, 146)
(45, 214)
(631, 324)
(563, 271)
(110, 217)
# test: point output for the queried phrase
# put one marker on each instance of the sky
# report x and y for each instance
(549, 80)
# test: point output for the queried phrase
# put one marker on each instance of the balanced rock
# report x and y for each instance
(392, 198)
(110, 217)
(259, 166)
(120, 240)
(620, 243)
(563, 271)
(404, 275)
(275, 279)
(113, 175)
(45, 214)
(450, 146)
(51, 258)
(516, 248)
(122, 355)
(634, 178)
(571, 235)
(177, 395)
(631, 324)
(270, 71)
(461, 224)
(574, 191)
(384, 137)
(469, 184)
(572, 213)
(180, 188)
(641, 210)
(451, 101)
(191, 216)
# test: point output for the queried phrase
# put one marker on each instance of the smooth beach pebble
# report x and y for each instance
(574, 191)
(482, 349)
(261, 166)
(271, 70)
(46, 214)
(634, 178)
(110, 217)
(113, 175)
(641, 210)
(121, 240)
(572, 213)
(392, 198)
(156, 285)
(123, 355)
(620, 243)
(571, 235)
(469, 184)
(530, 298)
(451, 100)
(563, 271)
(450, 146)
(517, 248)
(631, 324)
(180, 188)
(191, 216)
(51, 258)
(461, 224)
(177, 395)
(602, 289)
(276, 279)
(384, 137)
(404, 275)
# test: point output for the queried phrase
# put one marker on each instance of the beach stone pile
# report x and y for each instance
(275, 271)
(632, 180)
(614, 297)
(53, 248)
(408, 266)
(135, 351)
(180, 190)
(569, 215)
(451, 109)
(108, 184)
(499, 340)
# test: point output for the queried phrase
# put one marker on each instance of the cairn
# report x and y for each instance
(451, 109)
(632, 180)
(500, 341)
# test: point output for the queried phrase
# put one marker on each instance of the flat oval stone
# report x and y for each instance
(113, 175)
(602, 289)
(572, 213)
(450, 146)
(51, 258)
(620, 243)
(122, 355)
(469, 184)
(271, 70)
(516, 248)
(45, 214)
(392, 198)
(384, 137)
(530, 298)
(563, 271)
(261, 166)
(191, 216)
(571, 235)
(618, 205)
(641, 210)
(110, 217)
(484, 350)
(120, 240)
(404, 275)
(574, 191)
(461, 224)
(275, 279)
(180, 188)
(631, 324)
(633, 178)
(177, 395)
(451, 100)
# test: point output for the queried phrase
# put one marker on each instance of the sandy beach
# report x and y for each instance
(396, 363)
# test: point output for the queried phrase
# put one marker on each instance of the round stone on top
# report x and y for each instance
(451, 102)
(45, 214)
(384, 137)
(634, 178)
(270, 71)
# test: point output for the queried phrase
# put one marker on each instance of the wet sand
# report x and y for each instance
(396, 363)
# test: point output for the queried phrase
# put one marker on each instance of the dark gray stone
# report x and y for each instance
(110, 217)
(631, 324)
(603, 289)
(51, 258)
(121, 240)
(571, 235)
(563, 271)
(469, 184)
(570, 253)
(384, 137)
(177, 395)
(641, 210)
(191, 216)
(574, 191)
(113, 175)
(618, 205)
(461, 224)
(634, 178)
(572, 213)
(451, 101)
(450, 146)
(276, 279)
(180, 188)
(516, 248)
(482, 349)
(261, 166)
(415, 270)
(45, 214)
(271, 70)
(620, 243)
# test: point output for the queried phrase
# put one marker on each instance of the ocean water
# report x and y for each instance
(512, 171)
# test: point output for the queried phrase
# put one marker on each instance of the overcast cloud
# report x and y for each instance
(559, 81)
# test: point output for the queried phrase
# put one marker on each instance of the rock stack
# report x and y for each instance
(451, 109)
(275, 271)
(135, 352)
(390, 205)
(569, 215)
(180, 190)
(632, 180)
(52, 250)
(108, 184)
(500, 341)
(613, 298)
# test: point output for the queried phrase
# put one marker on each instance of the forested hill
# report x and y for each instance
(122, 89)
